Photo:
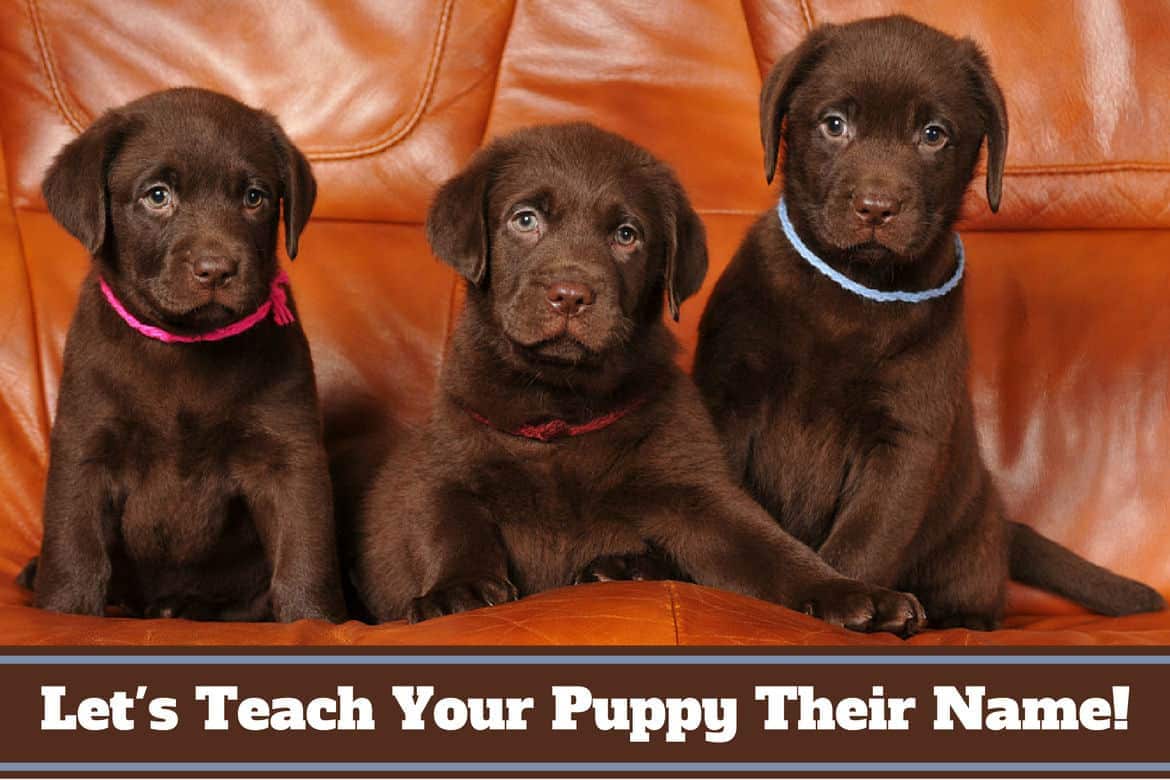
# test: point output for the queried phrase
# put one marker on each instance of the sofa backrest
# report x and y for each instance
(389, 99)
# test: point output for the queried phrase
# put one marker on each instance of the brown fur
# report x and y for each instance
(185, 480)
(466, 514)
(849, 420)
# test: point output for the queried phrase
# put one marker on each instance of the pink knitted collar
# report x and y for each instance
(277, 303)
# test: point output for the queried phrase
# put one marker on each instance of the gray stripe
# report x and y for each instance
(591, 766)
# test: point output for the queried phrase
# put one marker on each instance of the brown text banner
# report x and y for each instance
(581, 712)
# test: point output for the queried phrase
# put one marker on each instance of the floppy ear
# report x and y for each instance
(785, 76)
(457, 226)
(300, 191)
(995, 120)
(686, 252)
(75, 187)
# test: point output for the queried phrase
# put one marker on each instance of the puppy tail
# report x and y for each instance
(28, 575)
(1044, 564)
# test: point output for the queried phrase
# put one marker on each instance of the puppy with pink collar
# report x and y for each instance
(187, 474)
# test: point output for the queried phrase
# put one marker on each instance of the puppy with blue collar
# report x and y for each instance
(833, 354)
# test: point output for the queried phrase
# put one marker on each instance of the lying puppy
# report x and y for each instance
(832, 353)
(187, 476)
(564, 443)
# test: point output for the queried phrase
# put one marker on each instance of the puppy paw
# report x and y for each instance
(71, 603)
(461, 596)
(861, 607)
(636, 566)
(166, 609)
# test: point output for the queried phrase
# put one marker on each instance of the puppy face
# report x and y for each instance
(569, 236)
(883, 120)
(178, 196)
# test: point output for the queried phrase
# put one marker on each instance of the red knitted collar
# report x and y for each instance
(558, 428)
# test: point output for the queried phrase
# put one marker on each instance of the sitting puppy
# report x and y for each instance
(565, 444)
(187, 476)
(832, 353)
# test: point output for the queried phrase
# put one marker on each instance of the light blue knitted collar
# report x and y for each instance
(881, 296)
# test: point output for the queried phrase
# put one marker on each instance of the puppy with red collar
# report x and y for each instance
(565, 445)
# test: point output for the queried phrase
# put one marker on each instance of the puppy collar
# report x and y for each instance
(277, 303)
(558, 428)
(843, 281)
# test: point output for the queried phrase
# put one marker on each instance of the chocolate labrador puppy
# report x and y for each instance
(565, 444)
(833, 355)
(187, 475)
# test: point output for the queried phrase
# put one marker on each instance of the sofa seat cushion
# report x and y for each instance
(616, 614)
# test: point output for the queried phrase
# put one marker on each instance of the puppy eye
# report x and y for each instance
(934, 136)
(626, 235)
(254, 198)
(525, 221)
(834, 126)
(157, 197)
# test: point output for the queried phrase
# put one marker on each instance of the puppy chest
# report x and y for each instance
(179, 445)
(553, 522)
(167, 518)
(177, 482)
(194, 560)
(542, 482)
(802, 463)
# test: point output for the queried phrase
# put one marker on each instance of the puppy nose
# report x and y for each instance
(214, 271)
(875, 208)
(569, 298)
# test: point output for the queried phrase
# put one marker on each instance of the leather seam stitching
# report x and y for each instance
(806, 11)
(675, 611)
(499, 73)
(1074, 169)
(56, 89)
(387, 139)
(751, 38)
(394, 135)
(45, 418)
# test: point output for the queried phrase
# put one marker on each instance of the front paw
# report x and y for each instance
(636, 566)
(861, 607)
(70, 601)
(461, 596)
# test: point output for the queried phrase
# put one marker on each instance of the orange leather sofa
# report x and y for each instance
(1066, 296)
